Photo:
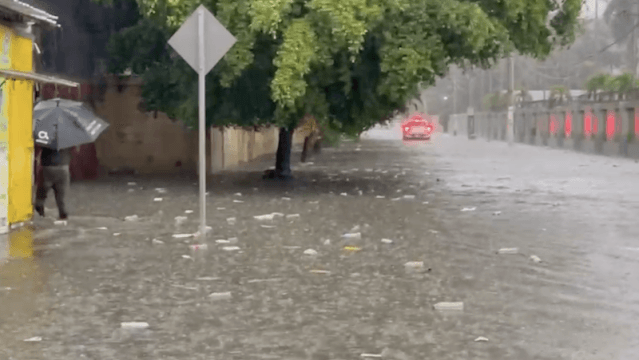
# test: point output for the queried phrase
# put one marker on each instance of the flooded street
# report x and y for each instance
(431, 220)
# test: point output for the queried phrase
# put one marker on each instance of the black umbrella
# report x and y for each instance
(60, 124)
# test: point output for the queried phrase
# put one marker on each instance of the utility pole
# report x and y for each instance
(454, 92)
(634, 39)
(510, 131)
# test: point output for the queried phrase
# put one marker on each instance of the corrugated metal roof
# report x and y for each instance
(29, 11)
(13, 74)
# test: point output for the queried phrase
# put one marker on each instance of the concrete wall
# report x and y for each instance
(154, 144)
(604, 128)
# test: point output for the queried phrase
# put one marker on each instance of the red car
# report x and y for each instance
(416, 128)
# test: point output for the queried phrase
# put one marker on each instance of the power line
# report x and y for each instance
(608, 46)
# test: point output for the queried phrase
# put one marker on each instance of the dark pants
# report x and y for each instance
(57, 178)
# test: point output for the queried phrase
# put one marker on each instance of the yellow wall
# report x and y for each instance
(20, 128)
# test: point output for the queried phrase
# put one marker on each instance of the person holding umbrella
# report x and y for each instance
(58, 126)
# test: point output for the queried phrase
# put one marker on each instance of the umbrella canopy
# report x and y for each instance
(60, 124)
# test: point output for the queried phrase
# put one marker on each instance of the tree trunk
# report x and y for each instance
(283, 156)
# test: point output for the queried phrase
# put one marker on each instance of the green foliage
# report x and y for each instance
(352, 63)
(622, 84)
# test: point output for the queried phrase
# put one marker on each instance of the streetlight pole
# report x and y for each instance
(511, 108)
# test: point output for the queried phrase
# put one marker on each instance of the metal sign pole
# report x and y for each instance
(202, 122)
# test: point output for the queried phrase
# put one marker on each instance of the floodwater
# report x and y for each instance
(73, 286)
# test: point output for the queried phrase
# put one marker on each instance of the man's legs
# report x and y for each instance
(61, 184)
(43, 189)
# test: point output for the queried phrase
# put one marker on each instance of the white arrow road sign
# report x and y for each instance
(202, 41)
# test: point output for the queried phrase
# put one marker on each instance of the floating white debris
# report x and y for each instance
(199, 247)
(508, 251)
(387, 241)
(238, 194)
(233, 240)
(497, 213)
(396, 199)
(238, 201)
(380, 197)
(207, 278)
(131, 218)
(182, 236)
(278, 214)
(535, 259)
(368, 170)
(434, 231)
(157, 199)
(355, 229)
(268, 226)
(458, 306)
(231, 220)
(425, 202)
(409, 197)
(293, 216)
(327, 242)
(221, 295)
(161, 190)
(371, 355)
(344, 194)
(132, 184)
(320, 272)
(231, 248)
(264, 217)
(222, 241)
(352, 235)
(102, 228)
(116, 234)
(310, 252)
(313, 202)
(157, 242)
(180, 219)
(481, 339)
(188, 211)
(468, 209)
(414, 265)
(60, 222)
(286, 199)
(186, 257)
(134, 325)
(33, 339)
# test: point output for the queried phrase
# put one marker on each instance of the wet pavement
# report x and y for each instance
(449, 203)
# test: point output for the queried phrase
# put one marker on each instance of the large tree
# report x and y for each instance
(350, 63)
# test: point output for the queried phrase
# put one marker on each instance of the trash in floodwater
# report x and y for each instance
(371, 355)
(102, 228)
(238, 194)
(182, 236)
(458, 306)
(199, 247)
(380, 197)
(508, 251)
(352, 248)
(396, 199)
(293, 216)
(222, 241)
(286, 199)
(157, 199)
(535, 258)
(186, 257)
(291, 247)
(481, 339)
(356, 235)
(277, 214)
(320, 271)
(33, 339)
(468, 209)
(131, 184)
(161, 190)
(497, 213)
(231, 248)
(268, 226)
(355, 229)
(207, 230)
(207, 278)
(414, 265)
(425, 203)
(387, 241)
(180, 219)
(221, 295)
(409, 196)
(116, 234)
(327, 242)
(188, 211)
(231, 221)
(360, 192)
(344, 194)
(233, 240)
(313, 202)
(264, 217)
(131, 190)
(134, 325)
(310, 252)
(131, 218)
(157, 242)
(60, 222)
(238, 201)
